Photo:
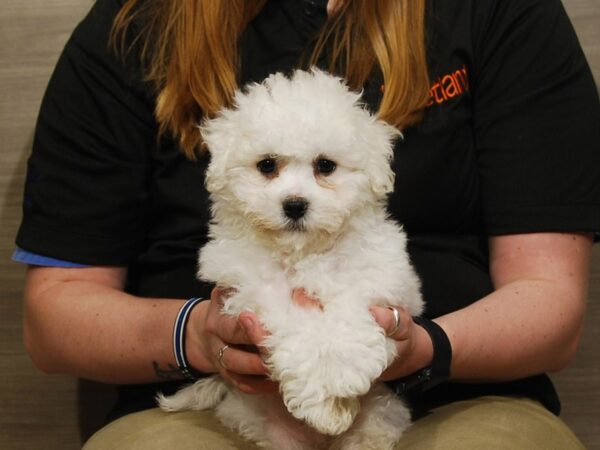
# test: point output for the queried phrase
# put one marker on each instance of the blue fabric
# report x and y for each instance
(26, 257)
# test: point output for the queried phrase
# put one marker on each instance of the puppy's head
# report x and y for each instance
(298, 154)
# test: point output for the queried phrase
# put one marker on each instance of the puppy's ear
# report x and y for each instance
(382, 138)
(217, 138)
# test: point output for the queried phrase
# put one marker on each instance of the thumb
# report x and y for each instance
(252, 327)
(395, 321)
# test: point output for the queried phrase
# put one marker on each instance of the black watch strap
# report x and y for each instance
(439, 369)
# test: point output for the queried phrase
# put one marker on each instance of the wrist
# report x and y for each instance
(422, 355)
(195, 345)
(181, 339)
(417, 355)
(438, 369)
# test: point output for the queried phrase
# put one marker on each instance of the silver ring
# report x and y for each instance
(397, 321)
(221, 353)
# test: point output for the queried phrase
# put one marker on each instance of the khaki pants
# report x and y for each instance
(487, 423)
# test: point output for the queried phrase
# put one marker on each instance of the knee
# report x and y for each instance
(490, 423)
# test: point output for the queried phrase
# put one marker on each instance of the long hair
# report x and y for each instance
(190, 52)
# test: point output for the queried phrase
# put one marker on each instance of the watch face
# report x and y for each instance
(418, 381)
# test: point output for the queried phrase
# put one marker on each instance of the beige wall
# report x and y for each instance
(41, 412)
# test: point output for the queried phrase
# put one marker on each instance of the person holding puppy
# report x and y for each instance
(496, 186)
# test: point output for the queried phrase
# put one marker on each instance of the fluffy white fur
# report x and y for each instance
(344, 251)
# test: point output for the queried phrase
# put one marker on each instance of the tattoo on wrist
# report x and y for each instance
(170, 373)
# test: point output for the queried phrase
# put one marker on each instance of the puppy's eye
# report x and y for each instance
(324, 166)
(267, 166)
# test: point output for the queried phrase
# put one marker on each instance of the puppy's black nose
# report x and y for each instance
(295, 207)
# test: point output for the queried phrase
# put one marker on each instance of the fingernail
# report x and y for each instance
(247, 323)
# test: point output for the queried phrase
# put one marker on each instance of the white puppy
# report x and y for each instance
(298, 178)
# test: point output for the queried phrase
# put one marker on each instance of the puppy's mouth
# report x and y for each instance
(295, 225)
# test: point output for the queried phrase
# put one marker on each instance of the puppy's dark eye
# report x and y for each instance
(267, 165)
(324, 166)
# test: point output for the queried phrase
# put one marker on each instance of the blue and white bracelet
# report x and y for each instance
(179, 339)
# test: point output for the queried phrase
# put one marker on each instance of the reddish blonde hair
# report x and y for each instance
(191, 55)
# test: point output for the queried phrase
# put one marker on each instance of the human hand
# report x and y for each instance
(413, 345)
(220, 343)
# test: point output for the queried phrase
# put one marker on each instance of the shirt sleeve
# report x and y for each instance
(35, 259)
(537, 120)
(85, 192)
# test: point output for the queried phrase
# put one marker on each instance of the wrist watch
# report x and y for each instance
(439, 369)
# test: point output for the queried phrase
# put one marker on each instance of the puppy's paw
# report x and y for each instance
(382, 419)
(332, 416)
(203, 394)
(180, 401)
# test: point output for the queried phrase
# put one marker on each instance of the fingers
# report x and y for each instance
(240, 361)
(227, 328)
(234, 347)
(253, 330)
(246, 371)
(398, 325)
(235, 343)
(395, 321)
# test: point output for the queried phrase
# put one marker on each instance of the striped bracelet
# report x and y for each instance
(179, 339)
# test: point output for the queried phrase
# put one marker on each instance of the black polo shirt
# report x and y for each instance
(510, 143)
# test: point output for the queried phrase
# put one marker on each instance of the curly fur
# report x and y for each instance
(344, 250)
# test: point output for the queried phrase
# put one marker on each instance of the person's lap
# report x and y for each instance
(487, 423)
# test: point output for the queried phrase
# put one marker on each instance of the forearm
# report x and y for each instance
(98, 332)
(524, 328)
(80, 322)
(530, 324)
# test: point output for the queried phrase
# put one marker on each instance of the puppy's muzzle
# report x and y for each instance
(295, 207)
